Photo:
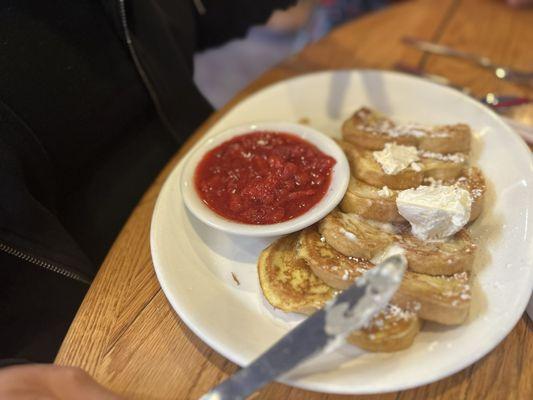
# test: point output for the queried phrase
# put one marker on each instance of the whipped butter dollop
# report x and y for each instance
(435, 212)
(395, 158)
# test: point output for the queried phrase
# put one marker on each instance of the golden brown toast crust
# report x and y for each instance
(358, 129)
(473, 180)
(443, 169)
(354, 236)
(365, 168)
(393, 329)
(443, 299)
(329, 265)
(369, 129)
(432, 165)
(447, 139)
(448, 257)
(287, 281)
(364, 199)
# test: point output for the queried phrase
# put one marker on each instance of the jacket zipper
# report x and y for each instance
(142, 72)
(41, 263)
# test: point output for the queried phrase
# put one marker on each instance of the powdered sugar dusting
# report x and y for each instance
(450, 157)
(476, 193)
(389, 128)
(346, 275)
(384, 192)
(391, 314)
(416, 167)
(347, 234)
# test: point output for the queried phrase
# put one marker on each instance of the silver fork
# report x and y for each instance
(496, 102)
(500, 71)
(490, 98)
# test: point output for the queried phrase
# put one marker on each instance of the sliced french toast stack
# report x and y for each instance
(290, 284)
(300, 272)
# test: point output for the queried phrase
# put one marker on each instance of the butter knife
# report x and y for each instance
(325, 330)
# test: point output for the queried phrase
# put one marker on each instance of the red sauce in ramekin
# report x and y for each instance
(263, 177)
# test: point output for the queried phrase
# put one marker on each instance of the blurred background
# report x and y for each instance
(221, 72)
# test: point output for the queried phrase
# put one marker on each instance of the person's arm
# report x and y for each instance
(45, 381)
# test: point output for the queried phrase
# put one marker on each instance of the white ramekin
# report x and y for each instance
(338, 184)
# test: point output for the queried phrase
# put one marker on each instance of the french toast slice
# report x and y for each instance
(393, 329)
(330, 265)
(287, 281)
(379, 204)
(365, 168)
(447, 139)
(442, 166)
(442, 299)
(288, 284)
(354, 236)
(371, 130)
(453, 255)
(431, 165)
(370, 202)
(472, 179)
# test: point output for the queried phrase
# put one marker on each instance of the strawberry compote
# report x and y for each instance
(263, 177)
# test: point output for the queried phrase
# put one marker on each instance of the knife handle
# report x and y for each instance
(306, 339)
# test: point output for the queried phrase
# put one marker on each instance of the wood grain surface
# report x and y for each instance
(128, 337)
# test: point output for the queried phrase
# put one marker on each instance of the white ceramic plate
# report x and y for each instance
(194, 263)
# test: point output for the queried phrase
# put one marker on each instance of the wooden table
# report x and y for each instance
(128, 337)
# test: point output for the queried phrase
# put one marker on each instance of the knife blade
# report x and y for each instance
(325, 330)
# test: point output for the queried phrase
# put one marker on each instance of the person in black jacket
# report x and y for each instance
(95, 97)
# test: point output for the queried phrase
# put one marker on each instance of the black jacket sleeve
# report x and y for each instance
(36, 308)
(83, 83)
